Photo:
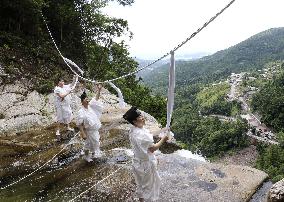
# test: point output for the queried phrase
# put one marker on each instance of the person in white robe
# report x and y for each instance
(144, 165)
(88, 120)
(63, 104)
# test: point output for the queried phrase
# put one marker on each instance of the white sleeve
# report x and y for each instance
(67, 87)
(143, 142)
(97, 107)
(80, 118)
(57, 90)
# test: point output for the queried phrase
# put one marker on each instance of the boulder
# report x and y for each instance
(185, 179)
(7, 100)
(276, 193)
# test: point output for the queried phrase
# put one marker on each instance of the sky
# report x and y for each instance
(159, 25)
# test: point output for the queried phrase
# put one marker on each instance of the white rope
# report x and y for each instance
(95, 184)
(165, 55)
(39, 167)
(61, 53)
(74, 64)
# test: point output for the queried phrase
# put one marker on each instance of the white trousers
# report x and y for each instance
(63, 114)
(147, 179)
(92, 143)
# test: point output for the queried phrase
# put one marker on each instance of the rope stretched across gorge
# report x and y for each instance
(148, 65)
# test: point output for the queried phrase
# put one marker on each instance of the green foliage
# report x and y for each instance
(141, 97)
(211, 100)
(209, 135)
(44, 86)
(269, 103)
(271, 160)
(280, 138)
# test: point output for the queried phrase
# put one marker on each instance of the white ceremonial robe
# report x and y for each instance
(144, 165)
(90, 118)
(63, 106)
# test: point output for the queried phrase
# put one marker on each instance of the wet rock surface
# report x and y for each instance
(193, 180)
(68, 175)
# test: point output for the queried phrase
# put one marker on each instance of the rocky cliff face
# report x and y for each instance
(27, 141)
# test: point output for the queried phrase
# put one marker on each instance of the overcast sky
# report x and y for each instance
(159, 25)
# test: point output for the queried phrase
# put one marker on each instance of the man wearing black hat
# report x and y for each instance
(144, 162)
(88, 120)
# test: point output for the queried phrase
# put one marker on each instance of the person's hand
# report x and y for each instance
(83, 135)
(151, 149)
(99, 86)
(166, 137)
(165, 129)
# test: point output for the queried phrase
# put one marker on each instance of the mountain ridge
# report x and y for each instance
(250, 54)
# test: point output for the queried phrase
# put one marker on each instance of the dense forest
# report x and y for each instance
(83, 34)
(269, 103)
(201, 133)
(212, 100)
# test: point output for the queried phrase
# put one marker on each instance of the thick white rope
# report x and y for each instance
(74, 64)
(165, 55)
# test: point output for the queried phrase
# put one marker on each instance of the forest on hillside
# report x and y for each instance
(269, 103)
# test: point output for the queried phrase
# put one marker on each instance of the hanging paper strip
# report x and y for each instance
(73, 64)
(171, 96)
(120, 96)
(76, 81)
(171, 90)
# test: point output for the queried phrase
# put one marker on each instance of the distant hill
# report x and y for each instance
(248, 55)
(183, 57)
(143, 63)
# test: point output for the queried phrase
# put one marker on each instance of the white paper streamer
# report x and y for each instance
(73, 64)
(171, 90)
(171, 96)
(76, 81)
(122, 104)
